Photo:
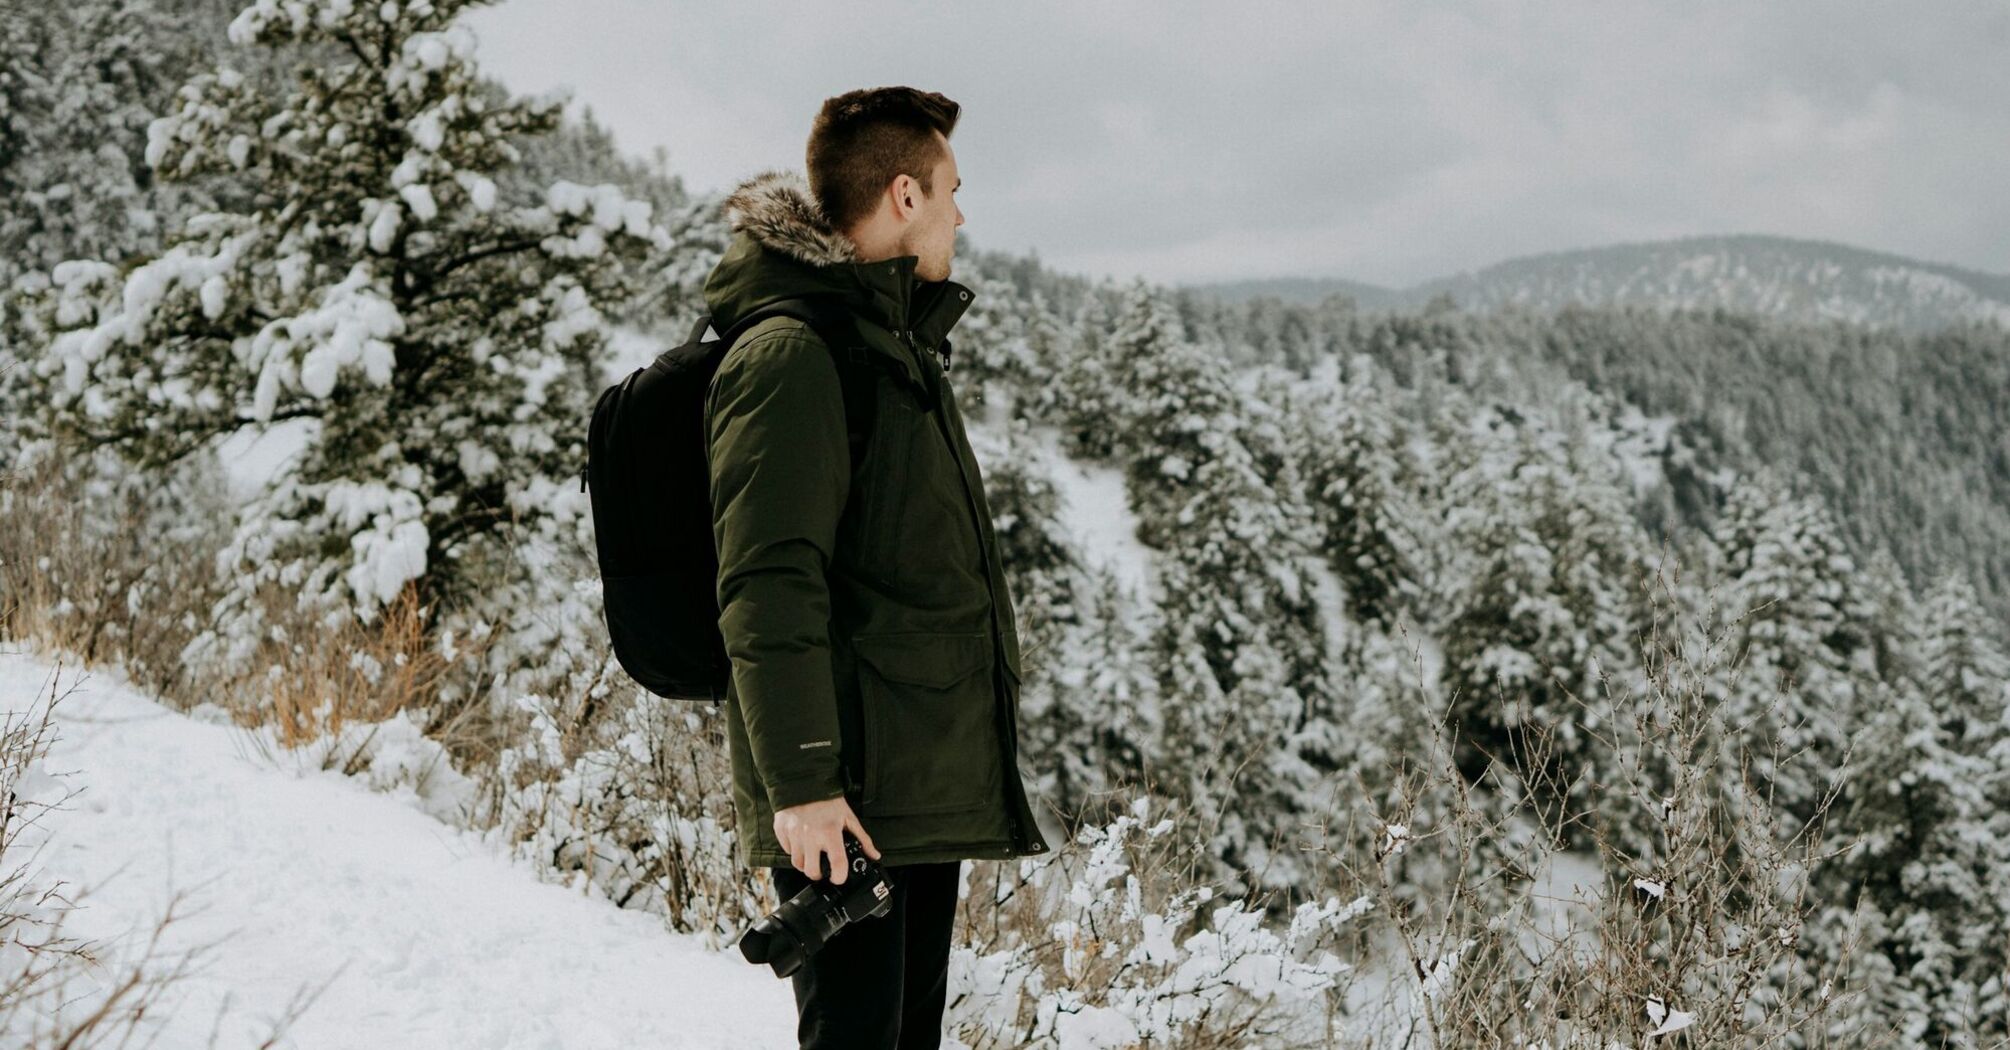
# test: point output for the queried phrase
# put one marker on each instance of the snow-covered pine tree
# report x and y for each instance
(1347, 445)
(701, 235)
(1041, 564)
(989, 345)
(1801, 647)
(1083, 393)
(1173, 411)
(440, 345)
(1048, 348)
(1544, 605)
(77, 85)
(1241, 643)
(1893, 623)
(1965, 677)
(1963, 669)
(1047, 580)
(1918, 875)
(1089, 710)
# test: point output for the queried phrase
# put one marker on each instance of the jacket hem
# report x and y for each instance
(892, 857)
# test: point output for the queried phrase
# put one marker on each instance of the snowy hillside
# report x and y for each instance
(1772, 276)
(405, 931)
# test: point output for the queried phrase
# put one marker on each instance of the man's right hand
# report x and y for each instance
(813, 830)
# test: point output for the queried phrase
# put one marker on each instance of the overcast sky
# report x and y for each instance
(1385, 141)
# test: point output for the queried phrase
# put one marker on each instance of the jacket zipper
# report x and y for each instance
(1024, 840)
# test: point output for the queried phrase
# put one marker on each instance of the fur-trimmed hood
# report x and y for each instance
(777, 209)
(783, 246)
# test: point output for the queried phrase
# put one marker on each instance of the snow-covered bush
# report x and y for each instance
(627, 795)
(1115, 944)
(392, 755)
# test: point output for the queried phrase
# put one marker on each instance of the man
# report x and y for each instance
(875, 661)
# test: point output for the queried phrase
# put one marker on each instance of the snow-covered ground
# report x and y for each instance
(423, 935)
(1096, 511)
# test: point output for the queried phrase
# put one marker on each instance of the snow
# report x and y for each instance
(424, 934)
(1096, 511)
(432, 52)
(348, 328)
(628, 348)
(256, 454)
(384, 228)
(420, 199)
(482, 192)
(1666, 1020)
(215, 293)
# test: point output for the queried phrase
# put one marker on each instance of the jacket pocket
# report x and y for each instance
(931, 737)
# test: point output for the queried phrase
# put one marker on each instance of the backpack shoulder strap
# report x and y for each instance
(857, 366)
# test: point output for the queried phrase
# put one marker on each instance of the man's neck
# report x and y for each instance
(875, 244)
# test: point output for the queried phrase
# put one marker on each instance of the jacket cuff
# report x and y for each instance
(809, 789)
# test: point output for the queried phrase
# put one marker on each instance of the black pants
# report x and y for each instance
(881, 982)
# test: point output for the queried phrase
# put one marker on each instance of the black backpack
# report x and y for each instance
(652, 508)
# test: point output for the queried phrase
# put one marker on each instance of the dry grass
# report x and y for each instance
(111, 566)
(120, 573)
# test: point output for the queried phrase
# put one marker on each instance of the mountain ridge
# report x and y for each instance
(1761, 273)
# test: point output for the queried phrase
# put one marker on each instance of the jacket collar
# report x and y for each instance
(783, 246)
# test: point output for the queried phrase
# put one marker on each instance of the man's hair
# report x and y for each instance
(862, 139)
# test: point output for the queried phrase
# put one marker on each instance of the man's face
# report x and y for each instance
(931, 234)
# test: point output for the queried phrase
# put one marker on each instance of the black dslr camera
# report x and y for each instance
(797, 929)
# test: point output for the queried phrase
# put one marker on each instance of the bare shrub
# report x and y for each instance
(117, 566)
(631, 795)
(1119, 942)
(1681, 926)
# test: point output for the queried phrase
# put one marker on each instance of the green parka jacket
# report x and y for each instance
(874, 652)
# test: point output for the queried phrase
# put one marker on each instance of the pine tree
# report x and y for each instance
(440, 345)
(1241, 642)
(1347, 446)
(1920, 868)
(79, 83)
(1048, 351)
(1964, 670)
(990, 345)
(1801, 641)
(1892, 626)
(1084, 393)
(1543, 606)
(1095, 703)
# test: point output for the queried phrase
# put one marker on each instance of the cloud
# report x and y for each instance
(1384, 141)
